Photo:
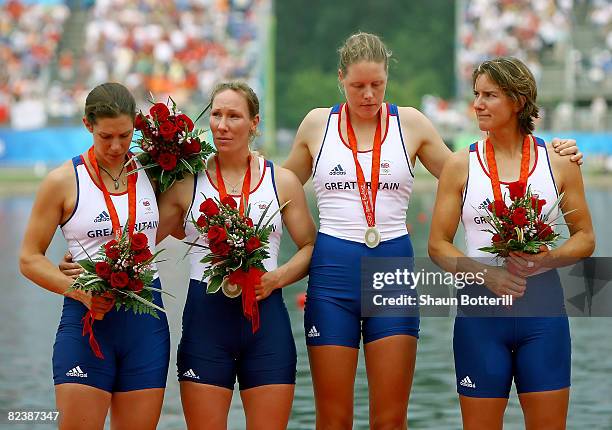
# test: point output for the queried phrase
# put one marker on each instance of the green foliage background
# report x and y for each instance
(420, 33)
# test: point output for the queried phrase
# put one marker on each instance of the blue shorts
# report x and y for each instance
(534, 350)
(136, 349)
(218, 345)
(333, 305)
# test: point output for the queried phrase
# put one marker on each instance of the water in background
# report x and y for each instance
(30, 316)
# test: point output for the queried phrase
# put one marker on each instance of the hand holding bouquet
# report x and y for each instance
(121, 270)
(171, 147)
(521, 226)
(238, 248)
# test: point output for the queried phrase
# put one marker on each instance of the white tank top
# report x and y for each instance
(90, 221)
(478, 194)
(263, 195)
(334, 180)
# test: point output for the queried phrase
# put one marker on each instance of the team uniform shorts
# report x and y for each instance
(333, 305)
(136, 349)
(219, 347)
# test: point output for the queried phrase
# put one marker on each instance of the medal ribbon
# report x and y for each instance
(246, 185)
(369, 204)
(89, 317)
(493, 172)
(109, 202)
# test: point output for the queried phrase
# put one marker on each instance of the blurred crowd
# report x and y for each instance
(29, 36)
(542, 33)
(595, 65)
(527, 29)
(52, 54)
(179, 47)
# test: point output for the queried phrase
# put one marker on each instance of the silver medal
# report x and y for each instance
(230, 290)
(372, 237)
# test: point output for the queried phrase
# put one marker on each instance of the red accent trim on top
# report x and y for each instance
(98, 186)
(238, 195)
(535, 144)
(346, 144)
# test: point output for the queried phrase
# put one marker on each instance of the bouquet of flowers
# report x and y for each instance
(237, 247)
(123, 269)
(170, 144)
(522, 226)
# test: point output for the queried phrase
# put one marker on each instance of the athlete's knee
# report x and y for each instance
(334, 419)
(389, 421)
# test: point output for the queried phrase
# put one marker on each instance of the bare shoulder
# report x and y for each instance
(285, 178)
(459, 161)
(563, 168)
(412, 116)
(316, 116)
(456, 168)
(557, 160)
(61, 177)
(180, 193)
(287, 184)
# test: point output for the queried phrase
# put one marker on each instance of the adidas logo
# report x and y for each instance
(485, 204)
(467, 382)
(191, 374)
(313, 332)
(76, 372)
(102, 217)
(338, 170)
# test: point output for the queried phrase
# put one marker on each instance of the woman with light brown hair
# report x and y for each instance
(528, 342)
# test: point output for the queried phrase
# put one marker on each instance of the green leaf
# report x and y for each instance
(88, 265)
(214, 284)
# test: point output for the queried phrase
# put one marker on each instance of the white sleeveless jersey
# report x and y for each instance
(263, 195)
(334, 180)
(478, 194)
(90, 221)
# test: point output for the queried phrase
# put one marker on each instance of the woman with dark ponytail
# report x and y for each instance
(88, 197)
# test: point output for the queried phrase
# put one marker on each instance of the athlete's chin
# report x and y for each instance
(369, 110)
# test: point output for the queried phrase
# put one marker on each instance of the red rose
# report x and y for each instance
(168, 130)
(142, 256)
(112, 253)
(216, 234)
(103, 270)
(167, 161)
(110, 244)
(140, 122)
(517, 190)
(537, 203)
(496, 238)
(220, 248)
(249, 222)
(119, 279)
(160, 112)
(139, 241)
(202, 222)
(229, 201)
(183, 121)
(252, 244)
(192, 146)
(499, 208)
(519, 217)
(209, 207)
(135, 285)
(544, 230)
